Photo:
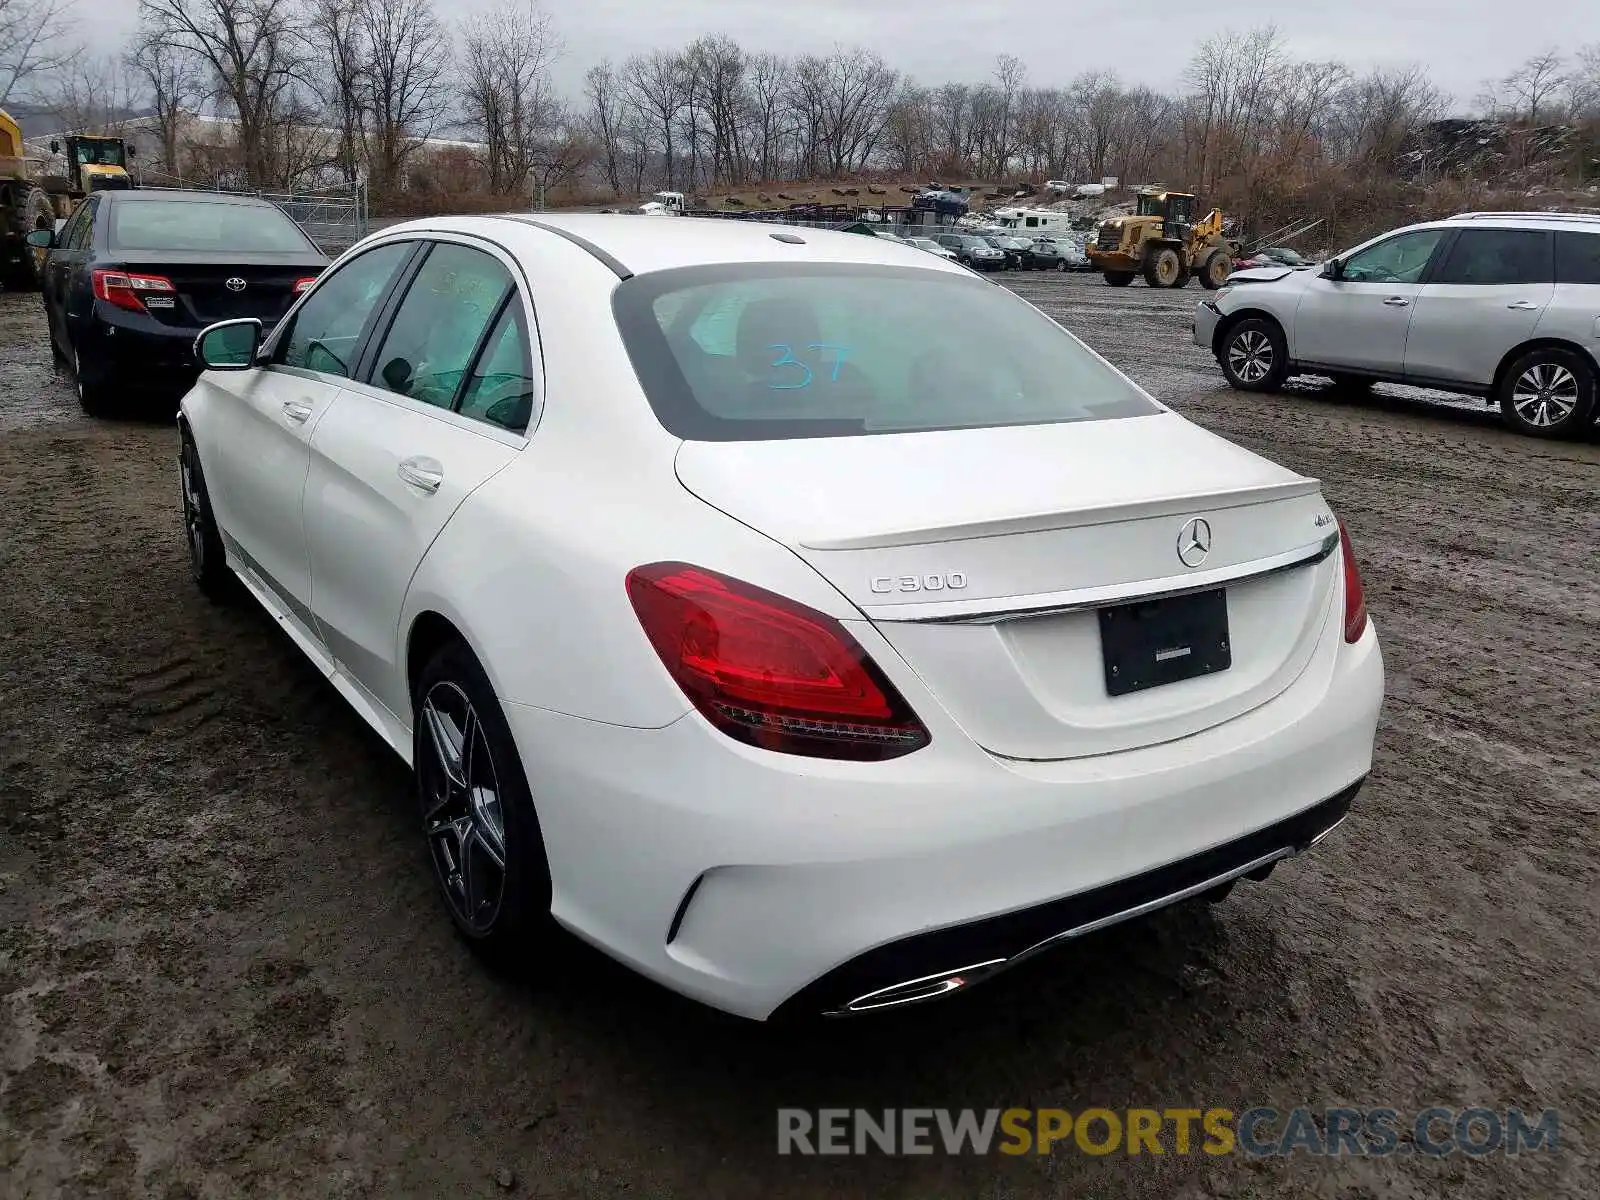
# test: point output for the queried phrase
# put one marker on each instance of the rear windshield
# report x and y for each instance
(773, 351)
(198, 226)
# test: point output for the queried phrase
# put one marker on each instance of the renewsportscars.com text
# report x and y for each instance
(1258, 1132)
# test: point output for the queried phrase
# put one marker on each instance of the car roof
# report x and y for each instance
(144, 195)
(635, 244)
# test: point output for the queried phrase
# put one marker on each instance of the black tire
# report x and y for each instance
(1163, 266)
(502, 911)
(1548, 393)
(57, 354)
(1061, 265)
(94, 397)
(27, 273)
(1215, 269)
(1119, 278)
(1254, 355)
(207, 560)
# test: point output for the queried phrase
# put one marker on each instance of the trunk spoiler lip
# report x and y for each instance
(1042, 604)
(1163, 506)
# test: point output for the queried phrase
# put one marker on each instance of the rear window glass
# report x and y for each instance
(1577, 257)
(774, 351)
(196, 225)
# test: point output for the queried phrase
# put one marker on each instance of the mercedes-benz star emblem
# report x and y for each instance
(235, 284)
(1194, 541)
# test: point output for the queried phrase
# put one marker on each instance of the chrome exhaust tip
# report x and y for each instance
(926, 987)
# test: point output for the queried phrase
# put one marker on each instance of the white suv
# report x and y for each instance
(1500, 305)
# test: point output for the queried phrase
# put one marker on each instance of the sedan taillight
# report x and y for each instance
(1355, 595)
(127, 290)
(768, 671)
(304, 285)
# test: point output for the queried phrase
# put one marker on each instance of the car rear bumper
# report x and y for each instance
(756, 881)
(135, 350)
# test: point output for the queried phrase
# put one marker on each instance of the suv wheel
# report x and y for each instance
(1254, 356)
(1548, 393)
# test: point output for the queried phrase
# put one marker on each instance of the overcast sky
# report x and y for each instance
(1462, 42)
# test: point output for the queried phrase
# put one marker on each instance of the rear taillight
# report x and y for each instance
(127, 290)
(1355, 596)
(304, 285)
(768, 671)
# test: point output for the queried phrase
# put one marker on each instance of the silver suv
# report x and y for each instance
(1500, 305)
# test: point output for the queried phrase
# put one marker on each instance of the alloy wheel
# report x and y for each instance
(193, 514)
(1545, 395)
(1250, 356)
(462, 813)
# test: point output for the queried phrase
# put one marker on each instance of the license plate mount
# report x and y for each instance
(1151, 643)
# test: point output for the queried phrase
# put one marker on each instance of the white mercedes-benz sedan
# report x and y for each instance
(805, 621)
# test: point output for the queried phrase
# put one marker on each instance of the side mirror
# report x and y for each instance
(41, 239)
(229, 345)
(1333, 269)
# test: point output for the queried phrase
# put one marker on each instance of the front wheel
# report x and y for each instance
(478, 817)
(1214, 271)
(1548, 393)
(1254, 356)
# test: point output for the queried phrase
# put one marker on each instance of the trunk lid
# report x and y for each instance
(985, 557)
(264, 287)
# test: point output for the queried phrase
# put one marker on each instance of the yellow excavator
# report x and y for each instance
(94, 164)
(1162, 240)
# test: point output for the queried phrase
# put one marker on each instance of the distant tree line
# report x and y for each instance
(376, 78)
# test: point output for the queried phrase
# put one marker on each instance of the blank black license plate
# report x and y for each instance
(1163, 641)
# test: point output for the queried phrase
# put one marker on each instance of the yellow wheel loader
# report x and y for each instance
(1163, 242)
(94, 164)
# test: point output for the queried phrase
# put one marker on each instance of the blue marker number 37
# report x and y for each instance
(792, 374)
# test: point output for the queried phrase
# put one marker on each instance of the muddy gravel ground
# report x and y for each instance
(223, 970)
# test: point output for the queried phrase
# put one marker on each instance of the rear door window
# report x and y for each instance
(1577, 257)
(1497, 256)
(443, 318)
(327, 328)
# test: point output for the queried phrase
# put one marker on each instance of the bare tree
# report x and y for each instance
(407, 59)
(1535, 84)
(35, 44)
(768, 78)
(603, 92)
(251, 54)
(507, 94)
(93, 93)
(657, 93)
(333, 28)
(1583, 84)
(172, 85)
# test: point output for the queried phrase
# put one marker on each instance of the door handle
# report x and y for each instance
(1397, 302)
(423, 473)
(1523, 305)
(297, 412)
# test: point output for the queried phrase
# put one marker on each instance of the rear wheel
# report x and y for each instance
(1254, 356)
(1162, 267)
(1215, 269)
(1548, 393)
(478, 817)
(207, 561)
(1119, 278)
(92, 391)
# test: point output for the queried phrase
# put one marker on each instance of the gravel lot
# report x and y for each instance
(223, 971)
